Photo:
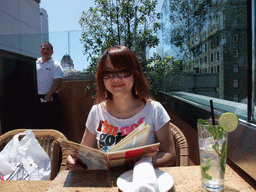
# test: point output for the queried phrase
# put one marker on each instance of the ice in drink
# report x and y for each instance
(212, 166)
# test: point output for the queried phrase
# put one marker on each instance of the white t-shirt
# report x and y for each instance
(109, 130)
(46, 73)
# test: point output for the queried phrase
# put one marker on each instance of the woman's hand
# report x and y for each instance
(88, 139)
(75, 164)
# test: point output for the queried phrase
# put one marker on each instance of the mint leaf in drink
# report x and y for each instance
(219, 132)
(202, 122)
(223, 157)
(206, 176)
(208, 128)
(206, 168)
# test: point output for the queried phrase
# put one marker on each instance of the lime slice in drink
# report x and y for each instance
(229, 121)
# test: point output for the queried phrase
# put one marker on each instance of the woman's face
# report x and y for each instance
(119, 82)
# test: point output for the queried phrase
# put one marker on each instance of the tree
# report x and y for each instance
(161, 72)
(119, 22)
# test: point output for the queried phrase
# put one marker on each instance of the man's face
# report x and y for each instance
(46, 51)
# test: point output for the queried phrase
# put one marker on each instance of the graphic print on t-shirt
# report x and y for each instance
(111, 135)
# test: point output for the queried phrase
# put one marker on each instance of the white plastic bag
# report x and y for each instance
(24, 159)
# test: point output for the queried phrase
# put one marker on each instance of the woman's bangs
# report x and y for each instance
(120, 59)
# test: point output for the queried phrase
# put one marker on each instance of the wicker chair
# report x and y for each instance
(181, 145)
(48, 140)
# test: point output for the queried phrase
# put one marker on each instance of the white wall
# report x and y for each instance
(20, 27)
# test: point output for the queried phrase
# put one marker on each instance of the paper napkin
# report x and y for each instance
(144, 176)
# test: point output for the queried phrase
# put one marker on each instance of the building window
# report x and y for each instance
(211, 69)
(218, 55)
(205, 59)
(205, 47)
(236, 98)
(236, 54)
(218, 69)
(235, 68)
(235, 83)
(217, 41)
(205, 70)
(235, 9)
(236, 38)
(235, 22)
(216, 14)
(211, 57)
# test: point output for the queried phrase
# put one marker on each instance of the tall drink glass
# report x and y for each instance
(213, 152)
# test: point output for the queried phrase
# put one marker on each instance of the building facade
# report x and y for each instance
(221, 47)
(217, 47)
(20, 30)
(44, 25)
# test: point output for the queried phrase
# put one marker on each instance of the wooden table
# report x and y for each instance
(185, 179)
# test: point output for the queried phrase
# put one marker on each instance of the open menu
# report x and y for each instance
(127, 151)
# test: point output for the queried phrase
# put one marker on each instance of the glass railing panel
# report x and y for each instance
(211, 40)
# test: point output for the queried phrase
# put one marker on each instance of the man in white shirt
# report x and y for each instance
(49, 80)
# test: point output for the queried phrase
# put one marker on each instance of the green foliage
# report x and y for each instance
(92, 70)
(119, 22)
(156, 71)
(92, 67)
(216, 131)
(161, 70)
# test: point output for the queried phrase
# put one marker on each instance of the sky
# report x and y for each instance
(63, 17)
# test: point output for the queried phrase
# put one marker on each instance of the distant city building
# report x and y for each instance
(44, 25)
(67, 65)
(165, 46)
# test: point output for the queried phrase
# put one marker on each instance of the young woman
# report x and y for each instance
(123, 102)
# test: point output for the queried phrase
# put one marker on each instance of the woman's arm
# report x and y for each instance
(167, 153)
(89, 139)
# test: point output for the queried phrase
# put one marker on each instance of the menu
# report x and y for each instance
(127, 151)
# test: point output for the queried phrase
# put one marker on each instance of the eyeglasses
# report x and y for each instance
(106, 74)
